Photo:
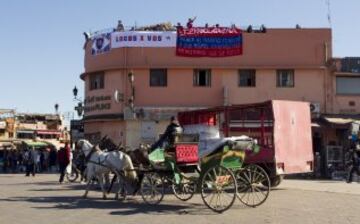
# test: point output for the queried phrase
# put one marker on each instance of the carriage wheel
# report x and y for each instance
(73, 176)
(185, 190)
(152, 188)
(253, 185)
(218, 188)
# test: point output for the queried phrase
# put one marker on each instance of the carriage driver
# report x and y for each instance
(170, 135)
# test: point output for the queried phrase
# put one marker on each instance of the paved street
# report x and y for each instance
(41, 199)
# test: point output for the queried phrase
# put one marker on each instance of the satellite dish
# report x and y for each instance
(119, 97)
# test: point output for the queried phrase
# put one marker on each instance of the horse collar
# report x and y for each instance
(87, 158)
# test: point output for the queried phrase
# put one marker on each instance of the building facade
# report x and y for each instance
(17, 127)
(131, 91)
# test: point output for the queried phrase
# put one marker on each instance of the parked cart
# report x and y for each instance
(282, 129)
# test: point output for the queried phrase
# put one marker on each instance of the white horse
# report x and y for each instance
(100, 163)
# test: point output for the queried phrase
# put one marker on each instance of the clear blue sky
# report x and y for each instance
(41, 41)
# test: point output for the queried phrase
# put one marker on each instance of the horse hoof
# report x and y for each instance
(104, 198)
(84, 196)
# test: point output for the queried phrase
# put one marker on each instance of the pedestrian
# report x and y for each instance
(52, 159)
(355, 164)
(63, 160)
(354, 151)
(42, 160)
(29, 158)
(46, 158)
(14, 160)
(5, 160)
(37, 161)
(20, 161)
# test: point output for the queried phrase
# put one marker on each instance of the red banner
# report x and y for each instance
(208, 42)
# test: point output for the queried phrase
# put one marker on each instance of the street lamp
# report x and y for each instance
(80, 107)
(56, 106)
(132, 97)
(75, 92)
(131, 77)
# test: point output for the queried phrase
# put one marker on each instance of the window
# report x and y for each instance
(96, 81)
(285, 78)
(158, 77)
(247, 78)
(202, 77)
(347, 85)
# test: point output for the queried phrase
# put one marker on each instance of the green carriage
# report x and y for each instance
(220, 177)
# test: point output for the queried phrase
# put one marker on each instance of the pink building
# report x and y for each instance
(154, 83)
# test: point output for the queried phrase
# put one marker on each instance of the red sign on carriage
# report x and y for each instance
(187, 153)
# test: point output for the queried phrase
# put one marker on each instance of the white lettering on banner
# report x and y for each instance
(143, 39)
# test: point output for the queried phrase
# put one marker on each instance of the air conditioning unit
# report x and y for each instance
(315, 108)
(129, 114)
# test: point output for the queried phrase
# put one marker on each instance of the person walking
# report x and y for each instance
(21, 161)
(52, 159)
(63, 160)
(354, 152)
(14, 160)
(37, 161)
(29, 159)
(355, 164)
(42, 160)
(5, 160)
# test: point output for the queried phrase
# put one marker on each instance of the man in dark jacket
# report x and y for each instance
(354, 151)
(63, 160)
(355, 166)
(52, 159)
(30, 161)
(170, 134)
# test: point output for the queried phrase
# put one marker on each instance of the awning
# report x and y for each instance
(315, 125)
(25, 131)
(36, 144)
(48, 132)
(6, 144)
(341, 120)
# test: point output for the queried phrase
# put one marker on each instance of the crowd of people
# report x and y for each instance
(30, 160)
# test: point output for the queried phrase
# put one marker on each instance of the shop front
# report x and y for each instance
(331, 145)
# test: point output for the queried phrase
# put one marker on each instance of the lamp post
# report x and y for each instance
(132, 88)
(77, 133)
(75, 92)
(80, 106)
(56, 106)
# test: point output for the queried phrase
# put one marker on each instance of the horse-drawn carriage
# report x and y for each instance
(220, 177)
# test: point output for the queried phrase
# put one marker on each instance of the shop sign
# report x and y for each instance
(143, 39)
(97, 103)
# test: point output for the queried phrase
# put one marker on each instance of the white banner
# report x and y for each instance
(101, 44)
(143, 39)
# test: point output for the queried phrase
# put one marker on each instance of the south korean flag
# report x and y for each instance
(101, 44)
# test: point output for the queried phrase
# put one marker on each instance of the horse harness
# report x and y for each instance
(100, 163)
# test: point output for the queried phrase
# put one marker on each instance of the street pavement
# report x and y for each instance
(41, 199)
